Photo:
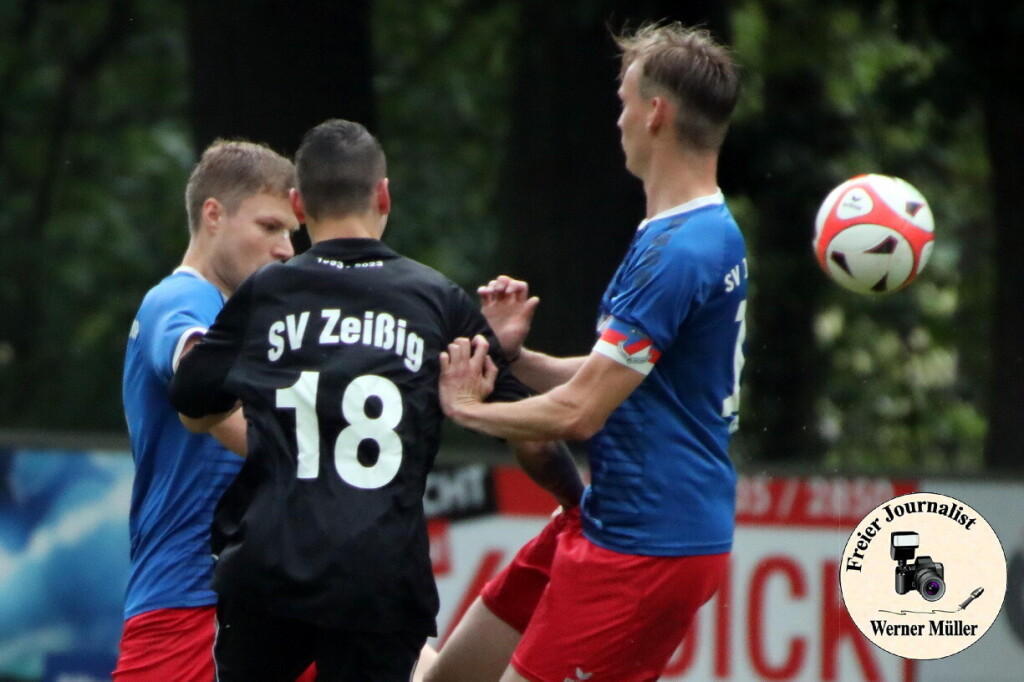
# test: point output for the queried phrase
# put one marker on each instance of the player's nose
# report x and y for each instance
(283, 248)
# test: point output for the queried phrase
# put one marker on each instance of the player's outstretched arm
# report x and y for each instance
(551, 466)
(542, 372)
(573, 411)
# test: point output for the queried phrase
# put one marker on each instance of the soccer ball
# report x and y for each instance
(874, 234)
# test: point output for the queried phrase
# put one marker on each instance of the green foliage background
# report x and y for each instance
(903, 375)
(94, 154)
(95, 150)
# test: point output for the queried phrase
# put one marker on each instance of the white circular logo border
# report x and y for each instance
(930, 609)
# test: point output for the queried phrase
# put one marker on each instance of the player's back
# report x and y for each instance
(337, 369)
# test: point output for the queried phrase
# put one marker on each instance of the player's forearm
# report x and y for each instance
(542, 372)
(552, 467)
(231, 433)
(554, 415)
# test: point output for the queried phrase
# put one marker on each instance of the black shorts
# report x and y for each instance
(253, 645)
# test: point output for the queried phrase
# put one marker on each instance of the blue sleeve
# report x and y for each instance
(187, 307)
(198, 387)
(659, 287)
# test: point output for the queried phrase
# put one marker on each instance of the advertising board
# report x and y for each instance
(779, 615)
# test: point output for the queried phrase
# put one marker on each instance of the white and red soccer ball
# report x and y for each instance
(874, 234)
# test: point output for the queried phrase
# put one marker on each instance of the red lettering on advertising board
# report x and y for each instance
(440, 547)
(837, 626)
(815, 501)
(756, 617)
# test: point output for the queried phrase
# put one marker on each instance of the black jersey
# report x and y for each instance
(334, 355)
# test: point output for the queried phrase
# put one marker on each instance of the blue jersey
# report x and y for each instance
(662, 482)
(179, 476)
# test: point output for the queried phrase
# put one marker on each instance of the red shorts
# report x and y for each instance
(171, 644)
(512, 595)
(167, 644)
(615, 616)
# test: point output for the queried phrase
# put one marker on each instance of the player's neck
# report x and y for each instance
(349, 227)
(672, 179)
(197, 257)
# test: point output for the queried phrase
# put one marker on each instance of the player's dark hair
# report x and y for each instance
(230, 171)
(691, 67)
(338, 163)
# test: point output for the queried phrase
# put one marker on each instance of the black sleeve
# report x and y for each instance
(468, 321)
(197, 387)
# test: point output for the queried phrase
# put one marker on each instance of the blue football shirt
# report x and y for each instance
(662, 481)
(179, 476)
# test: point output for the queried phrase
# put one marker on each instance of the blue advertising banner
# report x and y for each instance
(63, 562)
(64, 555)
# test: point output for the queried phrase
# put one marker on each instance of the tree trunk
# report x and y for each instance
(986, 40)
(768, 159)
(1002, 32)
(268, 70)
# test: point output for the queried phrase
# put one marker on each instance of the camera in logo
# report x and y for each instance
(923, 575)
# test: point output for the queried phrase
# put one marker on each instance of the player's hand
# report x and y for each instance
(509, 308)
(467, 375)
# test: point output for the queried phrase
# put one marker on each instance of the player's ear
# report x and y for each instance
(211, 214)
(659, 115)
(298, 206)
(382, 196)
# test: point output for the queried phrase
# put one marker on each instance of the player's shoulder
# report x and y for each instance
(425, 277)
(697, 245)
(425, 272)
(709, 218)
(182, 289)
(177, 303)
(708, 229)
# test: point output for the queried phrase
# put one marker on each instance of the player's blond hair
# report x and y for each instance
(230, 171)
(698, 73)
